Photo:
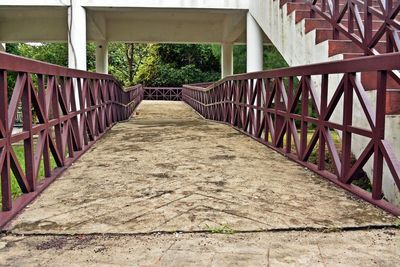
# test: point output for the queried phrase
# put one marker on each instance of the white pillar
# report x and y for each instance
(3, 47)
(77, 36)
(102, 57)
(226, 60)
(255, 53)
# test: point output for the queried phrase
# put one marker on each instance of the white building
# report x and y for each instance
(77, 22)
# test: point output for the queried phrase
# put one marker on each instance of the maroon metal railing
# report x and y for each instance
(163, 93)
(297, 120)
(373, 25)
(64, 112)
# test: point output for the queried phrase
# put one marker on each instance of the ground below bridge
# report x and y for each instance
(155, 187)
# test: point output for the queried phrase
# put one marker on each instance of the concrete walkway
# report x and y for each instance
(151, 191)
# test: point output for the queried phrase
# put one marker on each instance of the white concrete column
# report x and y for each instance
(3, 47)
(77, 36)
(102, 57)
(255, 52)
(226, 60)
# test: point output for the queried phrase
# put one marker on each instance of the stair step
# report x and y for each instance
(346, 46)
(283, 2)
(352, 55)
(381, 47)
(297, 6)
(302, 14)
(376, 24)
(393, 102)
(314, 23)
(326, 34)
(369, 81)
(342, 46)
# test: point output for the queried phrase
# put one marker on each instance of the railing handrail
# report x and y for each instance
(387, 62)
(15, 63)
(163, 93)
(130, 88)
(162, 87)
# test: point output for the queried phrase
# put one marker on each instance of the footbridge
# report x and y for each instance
(235, 156)
(298, 165)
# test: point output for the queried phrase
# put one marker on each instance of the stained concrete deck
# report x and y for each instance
(168, 170)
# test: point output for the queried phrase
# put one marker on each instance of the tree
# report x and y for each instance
(125, 59)
(134, 53)
(152, 64)
(174, 65)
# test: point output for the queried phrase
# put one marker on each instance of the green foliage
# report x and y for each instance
(397, 223)
(273, 59)
(174, 65)
(223, 229)
(239, 59)
(55, 53)
(181, 55)
(151, 64)
(19, 152)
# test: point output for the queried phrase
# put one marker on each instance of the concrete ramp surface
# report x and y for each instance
(168, 187)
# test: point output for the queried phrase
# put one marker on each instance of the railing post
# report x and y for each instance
(323, 5)
(304, 114)
(288, 120)
(56, 113)
(6, 199)
(347, 121)
(378, 134)
(388, 9)
(350, 18)
(46, 149)
(322, 111)
(75, 103)
(27, 127)
(367, 22)
(335, 17)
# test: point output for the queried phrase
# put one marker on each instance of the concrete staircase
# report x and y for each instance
(321, 30)
(342, 45)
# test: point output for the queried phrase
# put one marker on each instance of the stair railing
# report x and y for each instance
(373, 25)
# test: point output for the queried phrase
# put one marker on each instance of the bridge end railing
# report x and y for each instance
(163, 93)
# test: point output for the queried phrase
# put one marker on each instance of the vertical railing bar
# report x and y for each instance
(27, 127)
(6, 198)
(379, 134)
(321, 126)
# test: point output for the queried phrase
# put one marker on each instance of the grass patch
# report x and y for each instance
(223, 229)
(361, 179)
(19, 152)
(397, 223)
